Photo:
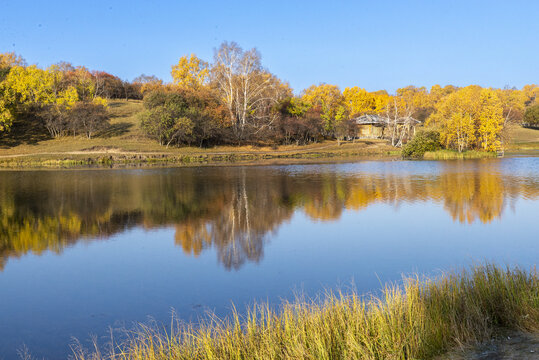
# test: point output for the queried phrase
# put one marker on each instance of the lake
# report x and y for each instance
(85, 250)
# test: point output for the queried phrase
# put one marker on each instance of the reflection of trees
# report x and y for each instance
(253, 208)
(468, 196)
(229, 209)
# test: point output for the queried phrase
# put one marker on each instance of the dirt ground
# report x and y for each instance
(513, 346)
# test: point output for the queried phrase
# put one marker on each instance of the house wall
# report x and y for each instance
(370, 132)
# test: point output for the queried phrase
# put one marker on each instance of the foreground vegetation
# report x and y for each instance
(419, 320)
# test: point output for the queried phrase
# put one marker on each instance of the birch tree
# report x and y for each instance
(246, 88)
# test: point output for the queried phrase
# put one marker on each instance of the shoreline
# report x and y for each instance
(131, 159)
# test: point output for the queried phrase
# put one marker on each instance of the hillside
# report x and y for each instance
(124, 142)
(521, 138)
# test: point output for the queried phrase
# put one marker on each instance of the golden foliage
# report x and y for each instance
(190, 72)
(330, 101)
(470, 118)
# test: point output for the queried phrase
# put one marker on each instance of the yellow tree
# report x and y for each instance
(531, 92)
(381, 99)
(330, 100)
(6, 116)
(490, 120)
(514, 104)
(414, 101)
(32, 85)
(359, 101)
(456, 117)
(437, 93)
(459, 132)
(190, 71)
(8, 60)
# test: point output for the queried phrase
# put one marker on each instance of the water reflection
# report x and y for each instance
(235, 209)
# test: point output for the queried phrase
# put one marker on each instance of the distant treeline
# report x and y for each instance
(235, 100)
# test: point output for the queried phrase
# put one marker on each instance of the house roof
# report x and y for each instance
(372, 119)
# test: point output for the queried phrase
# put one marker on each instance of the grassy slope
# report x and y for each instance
(125, 136)
(522, 138)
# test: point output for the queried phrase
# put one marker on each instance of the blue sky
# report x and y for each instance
(371, 44)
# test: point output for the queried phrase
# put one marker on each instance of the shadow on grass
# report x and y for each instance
(117, 129)
(28, 131)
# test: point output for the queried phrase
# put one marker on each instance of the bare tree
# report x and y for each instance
(248, 90)
(399, 120)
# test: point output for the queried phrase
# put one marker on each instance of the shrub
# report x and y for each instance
(422, 142)
(531, 116)
(184, 116)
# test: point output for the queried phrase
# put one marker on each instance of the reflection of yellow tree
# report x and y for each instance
(325, 201)
(192, 236)
(468, 196)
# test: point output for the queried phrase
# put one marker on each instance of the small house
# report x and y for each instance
(370, 126)
(377, 127)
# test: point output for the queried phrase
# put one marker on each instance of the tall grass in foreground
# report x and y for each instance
(453, 155)
(416, 321)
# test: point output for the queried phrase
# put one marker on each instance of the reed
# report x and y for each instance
(416, 320)
(455, 155)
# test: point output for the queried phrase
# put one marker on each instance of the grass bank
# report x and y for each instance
(452, 155)
(418, 320)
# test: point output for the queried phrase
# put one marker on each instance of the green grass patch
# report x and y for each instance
(417, 320)
(453, 155)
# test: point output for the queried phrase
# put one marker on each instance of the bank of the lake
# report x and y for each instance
(418, 320)
(107, 156)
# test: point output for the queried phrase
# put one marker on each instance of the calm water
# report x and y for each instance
(84, 250)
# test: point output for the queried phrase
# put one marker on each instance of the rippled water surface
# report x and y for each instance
(83, 250)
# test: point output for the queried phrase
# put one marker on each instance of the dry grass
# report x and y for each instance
(419, 320)
(522, 138)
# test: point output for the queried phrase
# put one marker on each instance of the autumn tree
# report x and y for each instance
(514, 104)
(531, 117)
(183, 116)
(248, 91)
(148, 83)
(437, 93)
(470, 118)
(31, 88)
(359, 101)
(331, 103)
(297, 122)
(531, 92)
(401, 110)
(190, 72)
(7, 61)
(490, 120)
